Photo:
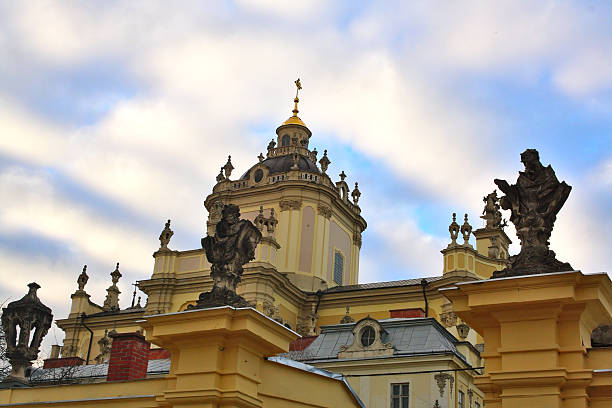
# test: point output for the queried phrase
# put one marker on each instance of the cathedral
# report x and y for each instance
(306, 268)
(490, 328)
(305, 274)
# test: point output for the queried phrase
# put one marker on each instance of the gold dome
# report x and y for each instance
(294, 120)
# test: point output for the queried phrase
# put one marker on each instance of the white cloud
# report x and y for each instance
(31, 205)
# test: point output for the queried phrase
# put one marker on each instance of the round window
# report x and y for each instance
(258, 175)
(367, 336)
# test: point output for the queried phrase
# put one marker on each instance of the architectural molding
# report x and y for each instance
(325, 210)
(290, 205)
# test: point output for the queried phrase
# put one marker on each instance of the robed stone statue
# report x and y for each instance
(534, 202)
(232, 246)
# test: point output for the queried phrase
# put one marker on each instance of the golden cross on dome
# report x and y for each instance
(298, 85)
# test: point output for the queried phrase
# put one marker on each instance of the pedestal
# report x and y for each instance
(537, 332)
(216, 354)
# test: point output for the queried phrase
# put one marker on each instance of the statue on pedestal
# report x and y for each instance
(232, 246)
(534, 202)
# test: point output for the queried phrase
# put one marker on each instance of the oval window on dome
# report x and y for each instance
(258, 175)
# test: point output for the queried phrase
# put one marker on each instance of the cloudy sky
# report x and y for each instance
(115, 116)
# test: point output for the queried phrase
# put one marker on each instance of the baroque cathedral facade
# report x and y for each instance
(306, 268)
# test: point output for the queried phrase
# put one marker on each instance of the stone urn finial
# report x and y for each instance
(466, 230)
(454, 228)
(29, 314)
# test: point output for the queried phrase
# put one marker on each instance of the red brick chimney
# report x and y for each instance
(129, 357)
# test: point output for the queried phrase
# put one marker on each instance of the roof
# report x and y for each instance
(90, 371)
(318, 371)
(133, 309)
(409, 337)
(294, 120)
(282, 164)
(378, 285)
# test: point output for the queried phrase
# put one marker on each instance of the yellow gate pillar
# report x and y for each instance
(536, 331)
(217, 355)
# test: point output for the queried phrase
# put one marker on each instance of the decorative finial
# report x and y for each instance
(324, 162)
(466, 230)
(342, 176)
(261, 157)
(347, 317)
(260, 219)
(115, 275)
(25, 322)
(271, 222)
(453, 228)
(164, 237)
(82, 279)
(298, 85)
(356, 194)
(111, 302)
(315, 152)
(135, 285)
(228, 167)
(220, 176)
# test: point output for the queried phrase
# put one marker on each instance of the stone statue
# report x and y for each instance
(232, 246)
(164, 237)
(82, 279)
(491, 213)
(534, 202)
(22, 346)
(105, 344)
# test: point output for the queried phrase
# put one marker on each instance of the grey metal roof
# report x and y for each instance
(377, 285)
(409, 336)
(90, 371)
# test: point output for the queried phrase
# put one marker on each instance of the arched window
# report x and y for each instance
(338, 267)
(286, 140)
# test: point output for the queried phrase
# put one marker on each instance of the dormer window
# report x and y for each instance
(369, 340)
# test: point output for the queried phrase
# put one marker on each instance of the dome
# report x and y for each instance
(282, 164)
(294, 120)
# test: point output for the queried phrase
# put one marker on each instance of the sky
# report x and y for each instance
(116, 116)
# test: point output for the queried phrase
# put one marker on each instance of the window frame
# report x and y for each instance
(339, 253)
(363, 331)
(401, 397)
(461, 399)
